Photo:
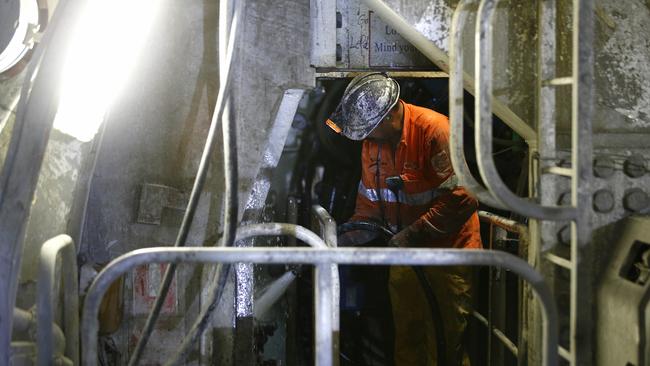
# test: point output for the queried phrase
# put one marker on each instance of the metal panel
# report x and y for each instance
(261, 186)
(456, 106)
(622, 302)
(323, 35)
(365, 40)
(245, 272)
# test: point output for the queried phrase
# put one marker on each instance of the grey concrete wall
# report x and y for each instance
(622, 67)
(622, 49)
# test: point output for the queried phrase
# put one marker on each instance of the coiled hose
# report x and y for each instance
(434, 306)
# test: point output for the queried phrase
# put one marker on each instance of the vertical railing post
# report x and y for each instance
(329, 235)
(47, 299)
(323, 292)
(456, 107)
(490, 288)
(581, 312)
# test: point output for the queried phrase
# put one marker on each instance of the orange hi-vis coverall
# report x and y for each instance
(445, 216)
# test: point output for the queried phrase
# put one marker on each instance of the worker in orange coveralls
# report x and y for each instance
(406, 146)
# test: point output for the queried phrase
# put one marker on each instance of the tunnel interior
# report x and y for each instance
(133, 126)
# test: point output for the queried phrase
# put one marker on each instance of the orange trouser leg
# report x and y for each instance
(415, 338)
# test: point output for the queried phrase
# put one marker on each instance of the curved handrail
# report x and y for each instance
(61, 245)
(456, 108)
(483, 114)
(372, 256)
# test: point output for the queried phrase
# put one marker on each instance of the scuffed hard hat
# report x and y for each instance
(366, 101)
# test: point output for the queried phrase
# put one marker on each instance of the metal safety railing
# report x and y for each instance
(581, 81)
(483, 112)
(456, 106)
(59, 246)
(509, 226)
(322, 259)
(328, 232)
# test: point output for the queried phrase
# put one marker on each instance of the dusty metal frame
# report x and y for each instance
(580, 173)
(484, 101)
(323, 36)
(59, 246)
(329, 233)
(322, 259)
(521, 230)
(456, 109)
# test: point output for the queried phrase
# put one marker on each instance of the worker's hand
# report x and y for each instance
(418, 234)
(403, 238)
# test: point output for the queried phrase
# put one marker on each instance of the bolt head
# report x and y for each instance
(603, 201)
(604, 167)
(636, 200)
(634, 166)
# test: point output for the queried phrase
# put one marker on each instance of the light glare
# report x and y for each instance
(104, 48)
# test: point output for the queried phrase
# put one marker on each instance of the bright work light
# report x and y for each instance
(108, 38)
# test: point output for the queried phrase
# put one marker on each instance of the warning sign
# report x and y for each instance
(387, 48)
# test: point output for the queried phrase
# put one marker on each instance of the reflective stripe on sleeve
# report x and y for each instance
(414, 199)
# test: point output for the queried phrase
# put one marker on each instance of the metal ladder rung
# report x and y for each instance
(557, 260)
(564, 353)
(565, 172)
(567, 80)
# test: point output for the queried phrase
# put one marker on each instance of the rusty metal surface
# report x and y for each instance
(502, 222)
(155, 197)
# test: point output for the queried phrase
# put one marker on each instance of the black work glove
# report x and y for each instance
(418, 234)
(407, 237)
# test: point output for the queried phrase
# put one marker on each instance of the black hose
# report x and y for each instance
(230, 219)
(434, 306)
(367, 226)
(436, 315)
